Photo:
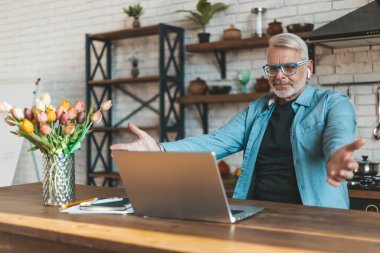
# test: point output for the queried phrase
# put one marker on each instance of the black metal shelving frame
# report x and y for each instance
(171, 87)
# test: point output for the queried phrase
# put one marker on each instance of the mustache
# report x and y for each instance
(276, 82)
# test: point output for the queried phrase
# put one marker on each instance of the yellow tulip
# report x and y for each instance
(65, 104)
(52, 117)
(26, 126)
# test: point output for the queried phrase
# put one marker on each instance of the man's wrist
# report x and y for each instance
(162, 149)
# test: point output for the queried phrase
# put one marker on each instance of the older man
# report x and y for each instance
(293, 140)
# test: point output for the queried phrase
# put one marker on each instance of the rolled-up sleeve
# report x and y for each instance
(341, 124)
(226, 140)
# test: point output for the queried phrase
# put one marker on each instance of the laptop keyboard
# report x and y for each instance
(236, 211)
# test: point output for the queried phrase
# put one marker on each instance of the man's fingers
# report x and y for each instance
(333, 182)
(121, 146)
(134, 129)
(354, 145)
(346, 174)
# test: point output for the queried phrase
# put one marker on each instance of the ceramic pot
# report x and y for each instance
(274, 28)
(136, 23)
(204, 37)
(232, 33)
(197, 87)
(135, 72)
(262, 85)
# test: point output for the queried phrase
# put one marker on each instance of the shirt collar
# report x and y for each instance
(306, 96)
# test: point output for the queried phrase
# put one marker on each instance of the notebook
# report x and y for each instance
(177, 185)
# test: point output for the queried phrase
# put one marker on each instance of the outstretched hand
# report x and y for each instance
(341, 165)
(144, 142)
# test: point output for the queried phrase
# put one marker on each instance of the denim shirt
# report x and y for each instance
(324, 122)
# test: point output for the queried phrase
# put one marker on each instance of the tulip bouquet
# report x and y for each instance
(51, 130)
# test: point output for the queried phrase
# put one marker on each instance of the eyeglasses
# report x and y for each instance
(288, 69)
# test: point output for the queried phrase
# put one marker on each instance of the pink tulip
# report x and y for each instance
(45, 129)
(59, 111)
(63, 120)
(5, 107)
(69, 129)
(28, 114)
(105, 106)
(42, 117)
(8, 122)
(79, 105)
(81, 117)
(72, 113)
(96, 117)
(18, 113)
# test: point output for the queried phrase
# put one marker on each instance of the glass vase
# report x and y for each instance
(58, 179)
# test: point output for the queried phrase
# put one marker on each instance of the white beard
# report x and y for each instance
(287, 90)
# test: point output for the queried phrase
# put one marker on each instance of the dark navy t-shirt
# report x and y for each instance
(274, 178)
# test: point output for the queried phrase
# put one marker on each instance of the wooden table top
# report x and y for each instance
(28, 226)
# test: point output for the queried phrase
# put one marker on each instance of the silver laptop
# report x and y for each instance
(178, 185)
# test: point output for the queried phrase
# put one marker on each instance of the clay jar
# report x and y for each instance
(197, 87)
(274, 28)
(262, 85)
(232, 33)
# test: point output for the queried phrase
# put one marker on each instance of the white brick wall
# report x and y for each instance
(46, 39)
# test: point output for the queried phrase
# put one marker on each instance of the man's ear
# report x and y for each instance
(309, 69)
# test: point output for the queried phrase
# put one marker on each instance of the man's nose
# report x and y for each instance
(280, 74)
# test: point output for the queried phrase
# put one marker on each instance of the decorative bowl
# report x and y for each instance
(300, 27)
(219, 89)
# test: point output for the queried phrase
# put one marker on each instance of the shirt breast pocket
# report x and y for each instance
(312, 128)
(312, 137)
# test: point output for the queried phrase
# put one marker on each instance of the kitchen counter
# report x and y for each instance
(28, 226)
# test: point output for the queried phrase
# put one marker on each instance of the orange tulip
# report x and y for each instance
(45, 129)
(69, 129)
(26, 126)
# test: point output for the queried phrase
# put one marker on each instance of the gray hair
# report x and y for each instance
(290, 40)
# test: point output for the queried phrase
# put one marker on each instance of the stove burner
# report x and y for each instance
(364, 183)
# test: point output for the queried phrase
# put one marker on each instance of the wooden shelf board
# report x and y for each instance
(111, 175)
(226, 45)
(363, 194)
(240, 97)
(144, 79)
(126, 33)
(123, 129)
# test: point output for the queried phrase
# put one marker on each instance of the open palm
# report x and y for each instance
(144, 142)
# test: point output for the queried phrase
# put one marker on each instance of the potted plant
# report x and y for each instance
(134, 11)
(135, 69)
(203, 14)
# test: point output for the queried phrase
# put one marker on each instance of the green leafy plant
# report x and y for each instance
(204, 12)
(134, 61)
(134, 11)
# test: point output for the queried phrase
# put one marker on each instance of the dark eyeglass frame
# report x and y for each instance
(294, 64)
